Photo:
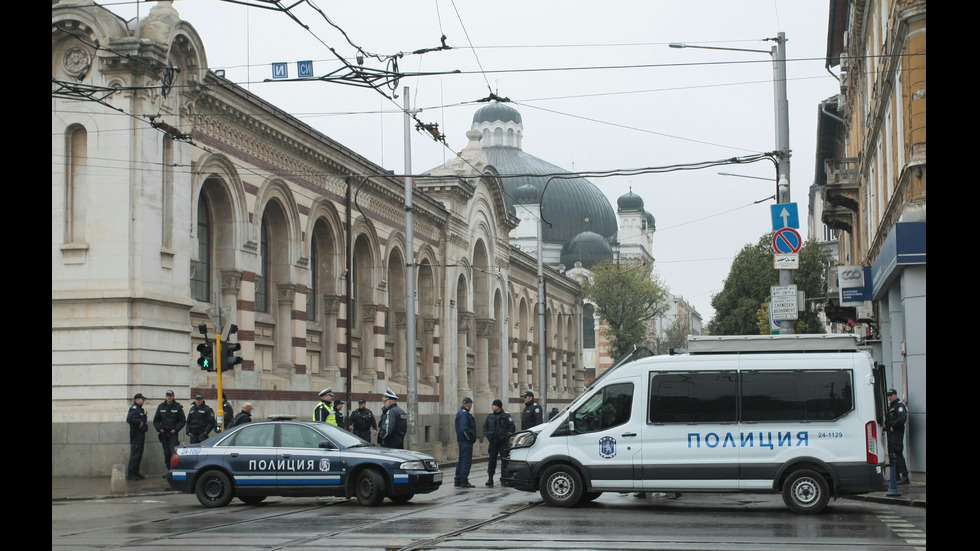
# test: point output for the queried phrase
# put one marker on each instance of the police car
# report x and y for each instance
(284, 457)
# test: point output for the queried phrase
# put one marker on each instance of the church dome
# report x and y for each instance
(651, 221)
(526, 194)
(496, 111)
(589, 248)
(630, 202)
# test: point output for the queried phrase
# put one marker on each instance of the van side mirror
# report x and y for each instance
(571, 426)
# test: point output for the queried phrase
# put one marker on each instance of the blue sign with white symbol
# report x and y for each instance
(607, 447)
(304, 69)
(280, 70)
(784, 215)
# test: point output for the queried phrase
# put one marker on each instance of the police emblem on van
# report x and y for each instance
(607, 447)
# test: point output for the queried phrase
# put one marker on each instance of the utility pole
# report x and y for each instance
(412, 367)
(782, 148)
(778, 54)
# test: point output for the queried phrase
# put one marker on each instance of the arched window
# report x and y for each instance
(311, 293)
(167, 193)
(201, 276)
(262, 278)
(76, 152)
(588, 326)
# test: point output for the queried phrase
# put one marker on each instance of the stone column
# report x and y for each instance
(331, 337)
(464, 321)
(429, 351)
(484, 326)
(285, 296)
(399, 374)
(367, 370)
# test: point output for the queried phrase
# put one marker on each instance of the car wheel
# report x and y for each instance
(806, 491)
(214, 489)
(369, 488)
(252, 500)
(561, 486)
(401, 500)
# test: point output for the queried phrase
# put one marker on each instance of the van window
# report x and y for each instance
(796, 395)
(605, 409)
(704, 397)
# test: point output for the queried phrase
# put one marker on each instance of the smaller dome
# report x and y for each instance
(589, 248)
(629, 202)
(497, 111)
(526, 194)
(651, 221)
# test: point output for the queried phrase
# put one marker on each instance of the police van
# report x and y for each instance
(798, 415)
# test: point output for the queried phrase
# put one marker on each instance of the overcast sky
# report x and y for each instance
(596, 84)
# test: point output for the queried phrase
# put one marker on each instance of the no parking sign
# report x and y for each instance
(787, 241)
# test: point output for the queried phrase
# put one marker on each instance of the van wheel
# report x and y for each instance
(806, 491)
(561, 486)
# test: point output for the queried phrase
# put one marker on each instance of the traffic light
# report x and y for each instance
(230, 360)
(206, 361)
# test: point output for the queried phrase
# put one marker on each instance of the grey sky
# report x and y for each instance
(596, 84)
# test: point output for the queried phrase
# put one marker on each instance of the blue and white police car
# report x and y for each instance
(285, 457)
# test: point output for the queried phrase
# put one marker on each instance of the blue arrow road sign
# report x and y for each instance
(784, 215)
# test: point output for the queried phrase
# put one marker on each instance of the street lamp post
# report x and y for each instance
(778, 53)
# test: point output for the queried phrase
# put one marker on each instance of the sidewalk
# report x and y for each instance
(81, 487)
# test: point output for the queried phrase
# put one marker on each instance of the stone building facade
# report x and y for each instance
(872, 173)
(177, 194)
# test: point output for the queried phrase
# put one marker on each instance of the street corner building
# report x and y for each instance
(221, 202)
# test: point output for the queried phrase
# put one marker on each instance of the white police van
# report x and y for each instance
(794, 414)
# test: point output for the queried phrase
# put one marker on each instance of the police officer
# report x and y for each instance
(244, 416)
(200, 420)
(361, 421)
(338, 414)
(136, 419)
(168, 420)
(531, 415)
(497, 429)
(228, 412)
(895, 427)
(394, 422)
(323, 411)
(465, 437)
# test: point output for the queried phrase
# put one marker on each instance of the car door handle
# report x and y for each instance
(285, 456)
(235, 454)
(629, 434)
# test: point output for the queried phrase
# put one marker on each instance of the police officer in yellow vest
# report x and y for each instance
(324, 411)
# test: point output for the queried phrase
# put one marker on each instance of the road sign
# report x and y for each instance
(784, 215)
(304, 69)
(784, 302)
(786, 261)
(787, 241)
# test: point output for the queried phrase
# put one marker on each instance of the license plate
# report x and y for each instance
(437, 477)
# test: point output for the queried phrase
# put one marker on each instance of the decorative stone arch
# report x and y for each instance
(220, 168)
(396, 311)
(277, 190)
(367, 345)
(429, 302)
(463, 323)
(326, 249)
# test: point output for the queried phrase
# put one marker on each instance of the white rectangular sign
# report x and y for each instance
(786, 261)
(784, 302)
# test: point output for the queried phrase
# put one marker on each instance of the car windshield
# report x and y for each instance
(339, 436)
